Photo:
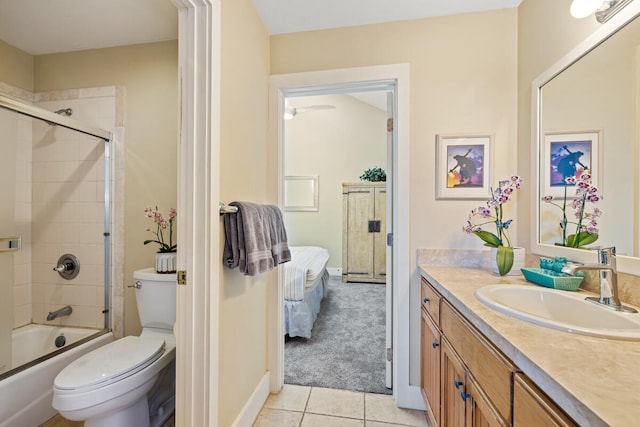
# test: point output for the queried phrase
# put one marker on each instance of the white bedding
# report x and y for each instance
(307, 263)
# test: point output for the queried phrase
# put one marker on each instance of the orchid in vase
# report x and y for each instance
(493, 213)
(586, 222)
(161, 226)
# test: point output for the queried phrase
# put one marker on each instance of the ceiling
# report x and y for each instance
(51, 26)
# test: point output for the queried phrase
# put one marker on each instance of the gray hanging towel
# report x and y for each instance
(255, 238)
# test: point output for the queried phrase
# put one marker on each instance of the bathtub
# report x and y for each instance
(26, 395)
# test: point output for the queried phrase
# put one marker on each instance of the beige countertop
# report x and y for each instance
(595, 380)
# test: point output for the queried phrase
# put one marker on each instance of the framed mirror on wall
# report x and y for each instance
(585, 120)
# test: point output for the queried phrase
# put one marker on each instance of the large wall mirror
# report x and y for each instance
(586, 114)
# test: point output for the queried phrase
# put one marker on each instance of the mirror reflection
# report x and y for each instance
(588, 124)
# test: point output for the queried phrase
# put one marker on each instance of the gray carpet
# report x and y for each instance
(347, 345)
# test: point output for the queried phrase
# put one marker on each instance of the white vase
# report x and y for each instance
(166, 262)
(518, 261)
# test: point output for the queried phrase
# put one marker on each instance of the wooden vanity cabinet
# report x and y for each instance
(466, 381)
(532, 408)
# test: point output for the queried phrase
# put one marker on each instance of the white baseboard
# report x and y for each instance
(334, 271)
(252, 408)
(411, 398)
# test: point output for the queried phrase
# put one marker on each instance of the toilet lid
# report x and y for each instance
(110, 363)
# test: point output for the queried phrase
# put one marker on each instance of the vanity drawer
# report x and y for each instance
(431, 301)
(492, 370)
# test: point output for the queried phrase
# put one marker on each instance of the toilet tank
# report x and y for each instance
(156, 298)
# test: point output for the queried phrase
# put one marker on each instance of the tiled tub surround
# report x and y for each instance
(592, 379)
(60, 209)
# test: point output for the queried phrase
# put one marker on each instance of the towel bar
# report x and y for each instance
(227, 209)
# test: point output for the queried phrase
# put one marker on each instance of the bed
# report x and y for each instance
(305, 285)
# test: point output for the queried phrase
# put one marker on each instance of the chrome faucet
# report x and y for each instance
(608, 273)
(64, 311)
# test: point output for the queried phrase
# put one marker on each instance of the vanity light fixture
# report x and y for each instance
(610, 8)
(583, 8)
(603, 9)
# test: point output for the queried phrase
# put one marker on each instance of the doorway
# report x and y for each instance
(355, 79)
(336, 330)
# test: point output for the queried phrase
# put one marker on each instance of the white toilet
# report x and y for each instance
(131, 381)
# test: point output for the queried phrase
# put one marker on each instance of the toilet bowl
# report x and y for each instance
(131, 381)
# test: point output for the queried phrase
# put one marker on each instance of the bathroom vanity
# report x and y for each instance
(483, 368)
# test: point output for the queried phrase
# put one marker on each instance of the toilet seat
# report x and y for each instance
(110, 363)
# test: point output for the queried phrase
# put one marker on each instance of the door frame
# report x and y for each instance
(406, 395)
(198, 303)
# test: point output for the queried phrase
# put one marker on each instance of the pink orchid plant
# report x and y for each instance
(162, 224)
(586, 222)
(493, 213)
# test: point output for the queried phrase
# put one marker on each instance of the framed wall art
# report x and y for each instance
(569, 154)
(463, 166)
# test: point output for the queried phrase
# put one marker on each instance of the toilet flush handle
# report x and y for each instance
(137, 285)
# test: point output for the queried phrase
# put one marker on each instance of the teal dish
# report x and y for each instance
(553, 279)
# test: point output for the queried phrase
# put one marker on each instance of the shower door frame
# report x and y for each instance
(106, 136)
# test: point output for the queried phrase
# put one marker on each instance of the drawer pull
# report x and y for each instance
(425, 300)
(434, 344)
(457, 383)
(464, 395)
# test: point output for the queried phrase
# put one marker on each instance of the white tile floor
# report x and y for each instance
(300, 406)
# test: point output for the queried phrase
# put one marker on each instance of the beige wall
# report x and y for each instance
(149, 75)
(243, 170)
(16, 67)
(338, 146)
(463, 80)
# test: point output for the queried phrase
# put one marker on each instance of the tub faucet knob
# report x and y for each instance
(67, 266)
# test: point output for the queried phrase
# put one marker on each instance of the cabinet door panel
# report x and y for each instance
(480, 411)
(532, 408)
(430, 357)
(489, 366)
(453, 384)
(359, 239)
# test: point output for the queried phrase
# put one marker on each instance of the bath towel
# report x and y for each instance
(255, 238)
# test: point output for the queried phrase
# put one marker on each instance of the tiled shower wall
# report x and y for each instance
(60, 208)
(68, 207)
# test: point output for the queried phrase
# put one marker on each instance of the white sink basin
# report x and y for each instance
(566, 311)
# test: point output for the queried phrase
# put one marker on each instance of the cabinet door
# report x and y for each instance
(359, 250)
(430, 364)
(532, 408)
(453, 405)
(380, 237)
(492, 369)
(480, 411)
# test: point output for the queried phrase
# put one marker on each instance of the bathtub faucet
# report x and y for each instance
(64, 311)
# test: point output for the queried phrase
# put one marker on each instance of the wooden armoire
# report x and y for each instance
(364, 234)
